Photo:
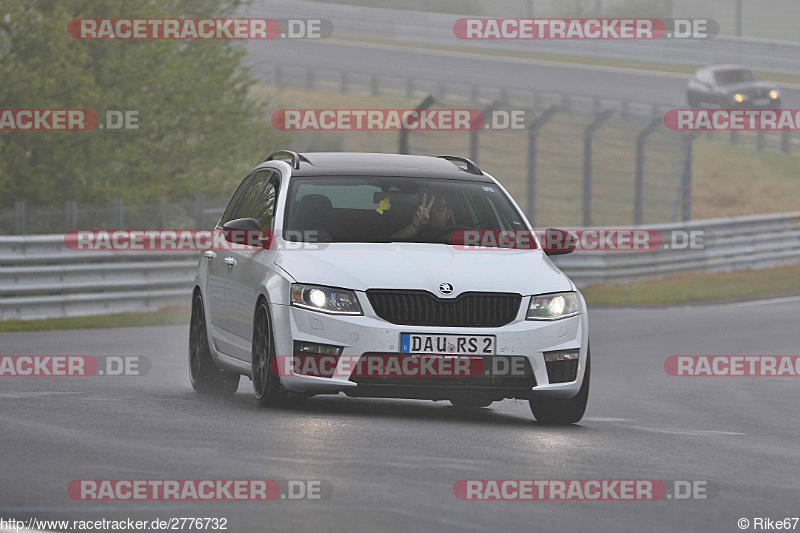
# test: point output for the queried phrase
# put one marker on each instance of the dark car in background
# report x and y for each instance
(730, 86)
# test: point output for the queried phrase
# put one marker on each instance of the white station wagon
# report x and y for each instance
(362, 283)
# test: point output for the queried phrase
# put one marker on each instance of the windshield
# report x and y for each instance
(393, 209)
(732, 77)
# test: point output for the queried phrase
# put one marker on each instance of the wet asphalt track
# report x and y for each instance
(392, 463)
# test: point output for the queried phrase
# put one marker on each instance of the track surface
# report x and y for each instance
(393, 463)
(667, 90)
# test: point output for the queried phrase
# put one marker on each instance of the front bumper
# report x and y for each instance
(756, 103)
(368, 334)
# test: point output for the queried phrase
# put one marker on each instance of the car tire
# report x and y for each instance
(563, 411)
(470, 404)
(267, 386)
(206, 377)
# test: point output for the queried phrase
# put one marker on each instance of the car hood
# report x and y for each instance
(362, 266)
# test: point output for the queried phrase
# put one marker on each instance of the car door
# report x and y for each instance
(217, 271)
(246, 264)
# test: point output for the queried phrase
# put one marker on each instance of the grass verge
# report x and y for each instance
(699, 288)
(164, 317)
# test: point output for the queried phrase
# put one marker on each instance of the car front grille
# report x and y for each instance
(421, 308)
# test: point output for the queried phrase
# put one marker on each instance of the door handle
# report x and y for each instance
(230, 261)
(209, 255)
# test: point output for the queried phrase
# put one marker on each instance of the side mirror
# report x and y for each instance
(247, 232)
(559, 241)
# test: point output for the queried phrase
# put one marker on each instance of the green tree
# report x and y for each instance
(198, 130)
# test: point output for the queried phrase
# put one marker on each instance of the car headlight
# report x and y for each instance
(738, 97)
(325, 299)
(553, 306)
(774, 94)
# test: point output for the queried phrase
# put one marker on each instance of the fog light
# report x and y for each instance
(739, 98)
(773, 94)
(561, 355)
(314, 348)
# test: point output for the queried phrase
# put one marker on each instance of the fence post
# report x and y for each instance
(533, 131)
(760, 140)
(71, 215)
(373, 85)
(118, 215)
(277, 75)
(19, 218)
(343, 82)
(686, 175)
(403, 136)
(587, 164)
(785, 141)
(625, 110)
(473, 133)
(199, 208)
(309, 79)
(473, 94)
(641, 139)
(441, 92)
(163, 212)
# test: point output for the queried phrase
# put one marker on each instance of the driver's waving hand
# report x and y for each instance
(430, 218)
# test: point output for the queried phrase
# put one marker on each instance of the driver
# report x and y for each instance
(430, 218)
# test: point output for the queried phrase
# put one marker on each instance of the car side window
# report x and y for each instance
(265, 208)
(227, 216)
(251, 194)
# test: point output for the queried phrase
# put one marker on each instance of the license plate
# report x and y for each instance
(447, 344)
(761, 101)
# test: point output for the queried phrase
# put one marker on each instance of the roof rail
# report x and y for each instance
(294, 156)
(472, 168)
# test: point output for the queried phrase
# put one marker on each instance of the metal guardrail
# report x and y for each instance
(746, 242)
(41, 278)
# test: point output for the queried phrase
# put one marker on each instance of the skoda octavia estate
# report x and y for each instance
(382, 275)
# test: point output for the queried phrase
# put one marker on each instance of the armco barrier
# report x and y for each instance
(41, 278)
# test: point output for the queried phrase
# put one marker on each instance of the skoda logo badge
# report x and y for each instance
(445, 288)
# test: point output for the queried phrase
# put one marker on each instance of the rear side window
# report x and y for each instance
(251, 194)
(265, 208)
(228, 215)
